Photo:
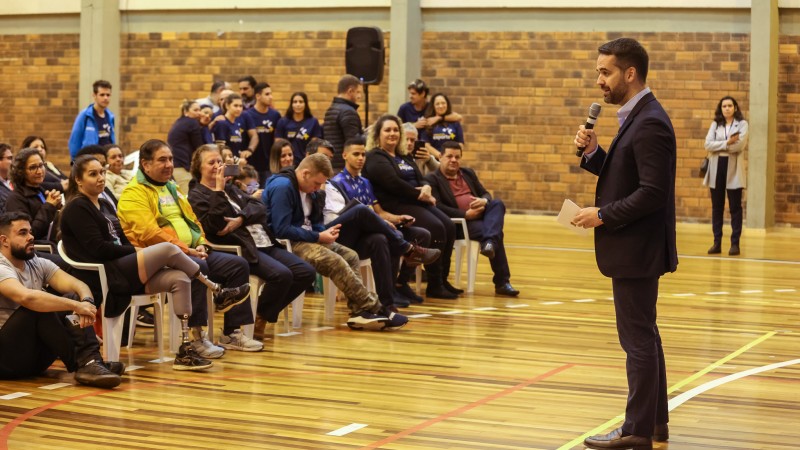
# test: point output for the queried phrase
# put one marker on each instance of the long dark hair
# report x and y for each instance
(737, 113)
(26, 143)
(290, 110)
(430, 111)
(78, 169)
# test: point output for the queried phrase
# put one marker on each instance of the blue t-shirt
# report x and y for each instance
(358, 188)
(231, 133)
(298, 133)
(407, 173)
(407, 112)
(103, 128)
(264, 124)
(443, 132)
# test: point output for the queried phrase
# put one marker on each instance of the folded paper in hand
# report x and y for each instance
(568, 211)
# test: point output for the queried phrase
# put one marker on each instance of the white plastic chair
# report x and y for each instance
(330, 290)
(257, 284)
(472, 251)
(113, 326)
(132, 158)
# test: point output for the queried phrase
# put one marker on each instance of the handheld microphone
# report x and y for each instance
(594, 111)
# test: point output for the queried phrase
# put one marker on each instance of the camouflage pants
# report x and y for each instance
(340, 264)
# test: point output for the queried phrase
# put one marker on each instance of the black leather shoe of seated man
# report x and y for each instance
(506, 289)
(617, 440)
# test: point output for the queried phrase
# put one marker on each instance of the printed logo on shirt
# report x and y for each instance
(447, 134)
(166, 200)
(265, 127)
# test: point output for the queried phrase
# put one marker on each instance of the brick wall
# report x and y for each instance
(39, 90)
(787, 172)
(161, 69)
(522, 96)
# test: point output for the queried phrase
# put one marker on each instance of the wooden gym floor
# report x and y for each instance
(536, 372)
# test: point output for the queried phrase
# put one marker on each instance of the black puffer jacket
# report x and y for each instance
(342, 122)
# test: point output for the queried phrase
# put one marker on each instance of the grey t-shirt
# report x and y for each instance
(36, 275)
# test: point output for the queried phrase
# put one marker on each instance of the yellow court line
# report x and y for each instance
(671, 389)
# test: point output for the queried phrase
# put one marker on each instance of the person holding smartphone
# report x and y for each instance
(417, 149)
(726, 143)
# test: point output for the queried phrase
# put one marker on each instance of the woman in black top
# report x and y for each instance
(184, 137)
(230, 216)
(53, 177)
(31, 197)
(92, 233)
(400, 189)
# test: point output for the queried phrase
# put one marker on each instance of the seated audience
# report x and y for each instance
(229, 216)
(247, 181)
(92, 233)
(99, 152)
(425, 161)
(117, 176)
(280, 156)
(320, 146)
(6, 188)
(347, 186)
(152, 210)
(53, 177)
(459, 193)
(31, 197)
(298, 126)
(37, 327)
(294, 207)
(399, 187)
(440, 130)
(185, 136)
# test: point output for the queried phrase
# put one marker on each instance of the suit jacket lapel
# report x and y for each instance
(643, 101)
(446, 191)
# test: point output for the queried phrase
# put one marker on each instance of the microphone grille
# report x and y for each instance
(594, 110)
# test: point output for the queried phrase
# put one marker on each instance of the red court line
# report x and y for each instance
(465, 408)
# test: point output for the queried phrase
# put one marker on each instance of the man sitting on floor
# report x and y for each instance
(458, 193)
(37, 327)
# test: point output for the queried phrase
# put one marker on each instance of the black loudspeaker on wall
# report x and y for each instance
(364, 54)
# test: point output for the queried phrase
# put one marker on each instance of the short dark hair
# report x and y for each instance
(107, 148)
(357, 140)
(346, 82)
(316, 143)
(26, 143)
(148, 150)
(100, 84)
(9, 217)
(419, 86)
(4, 147)
(249, 79)
(20, 165)
(260, 87)
(93, 149)
(450, 145)
(229, 99)
(215, 86)
(290, 111)
(629, 53)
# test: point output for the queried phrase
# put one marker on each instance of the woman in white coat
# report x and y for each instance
(726, 142)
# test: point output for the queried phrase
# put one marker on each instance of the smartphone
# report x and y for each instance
(231, 170)
(417, 145)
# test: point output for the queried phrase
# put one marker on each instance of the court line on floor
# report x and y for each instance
(579, 440)
(465, 408)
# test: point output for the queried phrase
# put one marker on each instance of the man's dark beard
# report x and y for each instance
(22, 253)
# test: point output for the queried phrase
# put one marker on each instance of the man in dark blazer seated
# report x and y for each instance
(458, 193)
(634, 222)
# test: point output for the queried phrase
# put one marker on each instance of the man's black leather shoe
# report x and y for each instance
(506, 289)
(487, 249)
(452, 288)
(616, 440)
(715, 249)
(661, 433)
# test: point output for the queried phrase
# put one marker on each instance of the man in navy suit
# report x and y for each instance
(634, 222)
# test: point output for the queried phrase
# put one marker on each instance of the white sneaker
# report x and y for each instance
(239, 341)
(206, 348)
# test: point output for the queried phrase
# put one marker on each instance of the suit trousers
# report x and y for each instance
(718, 205)
(30, 341)
(490, 228)
(230, 271)
(635, 307)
